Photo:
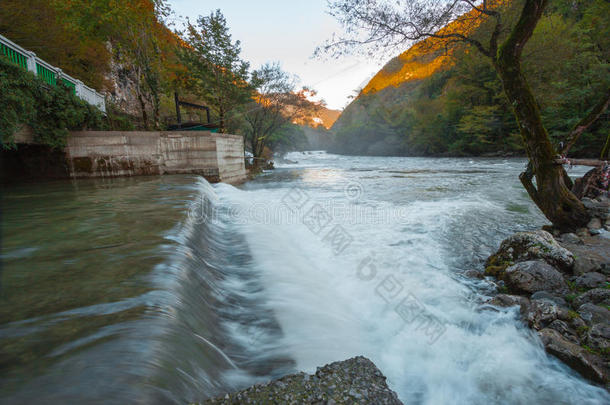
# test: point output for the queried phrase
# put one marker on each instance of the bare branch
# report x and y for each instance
(586, 122)
(380, 24)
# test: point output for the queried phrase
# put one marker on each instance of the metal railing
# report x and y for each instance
(50, 74)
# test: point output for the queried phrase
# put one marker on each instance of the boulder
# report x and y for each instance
(353, 381)
(506, 300)
(587, 364)
(593, 255)
(542, 313)
(525, 246)
(474, 274)
(532, 276)
(547, 295)
(591, 185)
(598, 337)
(571, 238)
(593, 314)
(590, 280)
(565, 330)
(594, 224)
(595, 296)
(599, 207)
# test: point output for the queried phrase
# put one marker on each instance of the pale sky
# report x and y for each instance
(288, 31)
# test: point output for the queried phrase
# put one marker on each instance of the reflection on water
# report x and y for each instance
(76, 266)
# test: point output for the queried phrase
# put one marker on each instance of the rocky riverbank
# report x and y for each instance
(561, 284)
(353, 381)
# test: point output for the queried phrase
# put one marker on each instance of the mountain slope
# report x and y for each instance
(427, 101)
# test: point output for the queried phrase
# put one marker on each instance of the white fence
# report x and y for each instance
(28, 60)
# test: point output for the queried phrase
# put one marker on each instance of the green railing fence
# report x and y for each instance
(50, 74)
(14, 56)
(46, 74)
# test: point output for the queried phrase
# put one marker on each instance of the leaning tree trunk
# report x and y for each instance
(551, 193)
(221, 119)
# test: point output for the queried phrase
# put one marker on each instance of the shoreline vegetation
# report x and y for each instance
(561, 284)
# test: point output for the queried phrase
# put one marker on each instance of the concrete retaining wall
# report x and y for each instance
(218, 157)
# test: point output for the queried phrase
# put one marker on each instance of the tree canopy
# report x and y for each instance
(275, 106)
(215, 70)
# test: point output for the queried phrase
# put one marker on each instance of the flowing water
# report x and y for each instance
(168, 289)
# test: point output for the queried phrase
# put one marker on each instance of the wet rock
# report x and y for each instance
(353, 381)
(591, 185)
(565, 330)
(532, 276)
(593, 314)
(474, 274)
(547, 295)
(506, 300)
(587, 364)
(599, 207)
(586, 264)
(525, 246)
(543, 312)
(598, 337)
(590, 280)
(577, 324)
(571, 238)
(533, 265)
(592, 255)
(594, 224)
(595, 296)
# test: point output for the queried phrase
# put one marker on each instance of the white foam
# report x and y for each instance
(328, 313)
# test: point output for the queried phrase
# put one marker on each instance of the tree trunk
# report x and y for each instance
(550, 194)
(221, 119)
(143, 107)
(606, 150)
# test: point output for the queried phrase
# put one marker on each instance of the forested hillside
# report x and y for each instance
(129, 51)
(433, 100)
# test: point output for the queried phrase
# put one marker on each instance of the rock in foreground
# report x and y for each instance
(353, 381)
(562, 290)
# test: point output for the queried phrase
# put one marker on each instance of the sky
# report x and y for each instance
(288, 31)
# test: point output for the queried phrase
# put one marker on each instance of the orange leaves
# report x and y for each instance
(430, 55)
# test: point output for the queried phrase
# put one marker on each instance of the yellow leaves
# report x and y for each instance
(430, 55)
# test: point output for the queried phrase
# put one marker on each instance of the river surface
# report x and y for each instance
(168, 289)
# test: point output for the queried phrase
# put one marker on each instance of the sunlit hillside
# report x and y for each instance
(327, 117)
(435, 99)
(424, 58)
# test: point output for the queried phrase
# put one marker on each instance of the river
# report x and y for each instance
(169, 289)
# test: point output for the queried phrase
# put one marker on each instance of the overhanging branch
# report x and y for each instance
(586, 122)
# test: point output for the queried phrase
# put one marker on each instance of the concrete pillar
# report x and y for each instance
(31, 59)
(79, 89)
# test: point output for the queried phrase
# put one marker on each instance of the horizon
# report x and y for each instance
(303, 26)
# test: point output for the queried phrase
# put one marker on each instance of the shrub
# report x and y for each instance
(51, 111)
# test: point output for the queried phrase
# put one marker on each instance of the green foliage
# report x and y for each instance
(275, 107)
(216, 72)
(462, 110)
(570, 298)
(288, 137)
(51, 111)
